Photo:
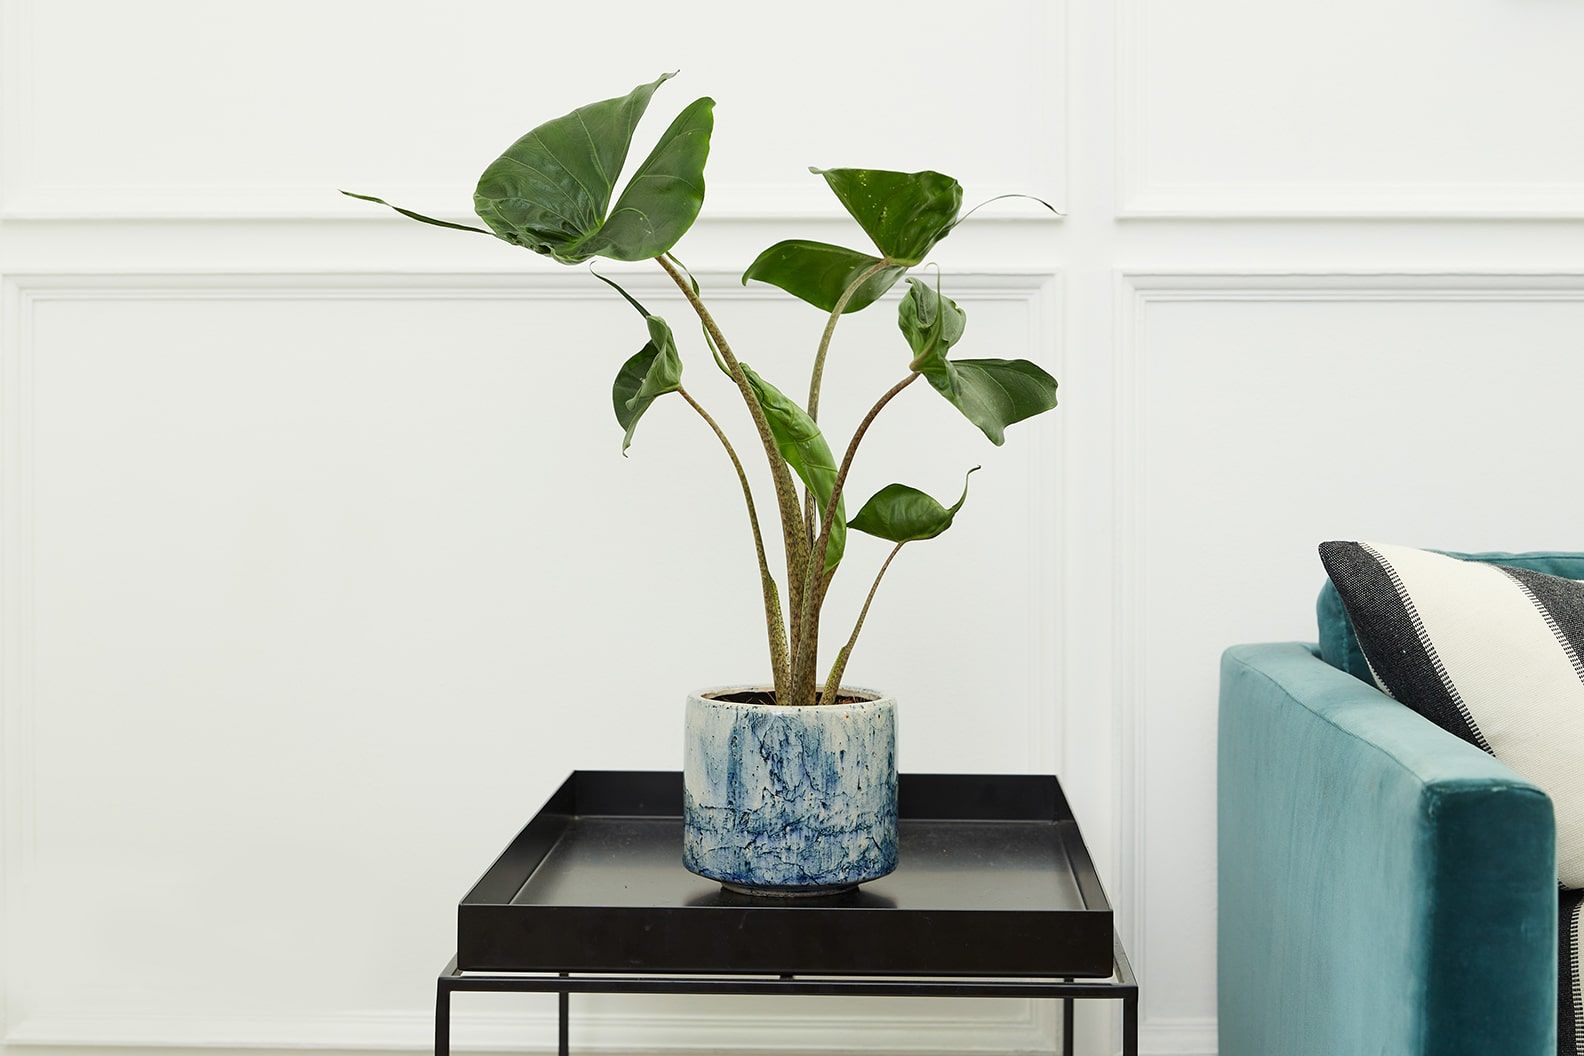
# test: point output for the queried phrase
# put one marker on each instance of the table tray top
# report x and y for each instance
(993, 879)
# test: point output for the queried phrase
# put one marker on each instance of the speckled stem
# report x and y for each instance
(792, 530)
(818, 374)
(830, 330)
(805, 644)
(774, 626)
(833, 682)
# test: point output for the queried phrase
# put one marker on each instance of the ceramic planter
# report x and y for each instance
(789, 800)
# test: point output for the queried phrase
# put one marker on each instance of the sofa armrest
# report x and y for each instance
(1384, 886)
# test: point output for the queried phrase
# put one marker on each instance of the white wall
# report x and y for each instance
(319, 565)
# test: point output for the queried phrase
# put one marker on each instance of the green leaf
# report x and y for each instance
(996, 393)
(653, 371)
(818, 272)
(931, 323)
(650, 373)
(549, 191)
(905, 213)
(801, 443)
(903, 515)
(991, 393)
(664, 196)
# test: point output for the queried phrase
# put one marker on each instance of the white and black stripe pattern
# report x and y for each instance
(1400, 653)
(1464, 722)
(1550, 594)
(1487, 652)
(1570, 983)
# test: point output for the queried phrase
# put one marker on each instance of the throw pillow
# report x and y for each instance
(1488, 652)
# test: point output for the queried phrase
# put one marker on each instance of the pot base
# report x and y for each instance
(789, 891)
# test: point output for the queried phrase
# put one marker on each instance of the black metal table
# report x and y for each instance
(995, 896)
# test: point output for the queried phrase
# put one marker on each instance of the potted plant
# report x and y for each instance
(790, 786)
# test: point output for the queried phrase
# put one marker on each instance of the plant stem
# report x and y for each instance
(792, 529)
(818, 374)
(806, 644)
(846, 297)
(833, 682)
(774, 626)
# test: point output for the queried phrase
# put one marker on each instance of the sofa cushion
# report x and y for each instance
(1339, 645)
(1489, 652)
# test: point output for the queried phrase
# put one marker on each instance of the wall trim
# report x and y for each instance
(1358, 285)
(726, 203)
(1353, 201)
(1021, 1026)
(537, 282)
(1179, 1037)
(1136, 290)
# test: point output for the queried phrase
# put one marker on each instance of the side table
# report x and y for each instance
(995, 896)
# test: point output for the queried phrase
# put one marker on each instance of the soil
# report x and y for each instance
(767, 696)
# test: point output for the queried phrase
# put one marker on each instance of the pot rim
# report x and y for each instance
(710, 696)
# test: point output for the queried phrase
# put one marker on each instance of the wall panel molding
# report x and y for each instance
(1143, 196)
(709, 1025)
(728, 203)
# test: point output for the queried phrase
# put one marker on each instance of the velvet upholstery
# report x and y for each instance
(1339, 646)
(1384, 887)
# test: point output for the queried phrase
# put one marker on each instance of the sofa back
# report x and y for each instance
(1339, 646)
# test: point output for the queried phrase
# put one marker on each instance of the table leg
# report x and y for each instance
(442, 1019)
(563, 1001)
(1130, 1026)
(1067, 1026)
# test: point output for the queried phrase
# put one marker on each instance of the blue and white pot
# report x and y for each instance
(789, 800)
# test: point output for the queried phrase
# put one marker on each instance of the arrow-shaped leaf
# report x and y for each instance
(654, 370)
(905, 213)
(664, 196)
(902, 514)
(995, 393)
(931, 323)
(991, 393)
(551, 189)
(801, 443)
(818, 272)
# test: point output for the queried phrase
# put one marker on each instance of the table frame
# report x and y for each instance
(1121, 986)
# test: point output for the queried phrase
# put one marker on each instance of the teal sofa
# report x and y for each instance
(1384, 887)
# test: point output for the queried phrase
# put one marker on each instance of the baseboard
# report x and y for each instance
(402, 1034)
(929, 1029)
(1178, 1037)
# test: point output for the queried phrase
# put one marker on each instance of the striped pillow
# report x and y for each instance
(1570, 989)
(1490, 653)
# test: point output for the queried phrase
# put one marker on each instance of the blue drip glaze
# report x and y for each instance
(780, 797)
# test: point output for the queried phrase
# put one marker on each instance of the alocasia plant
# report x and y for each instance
(551, 192)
